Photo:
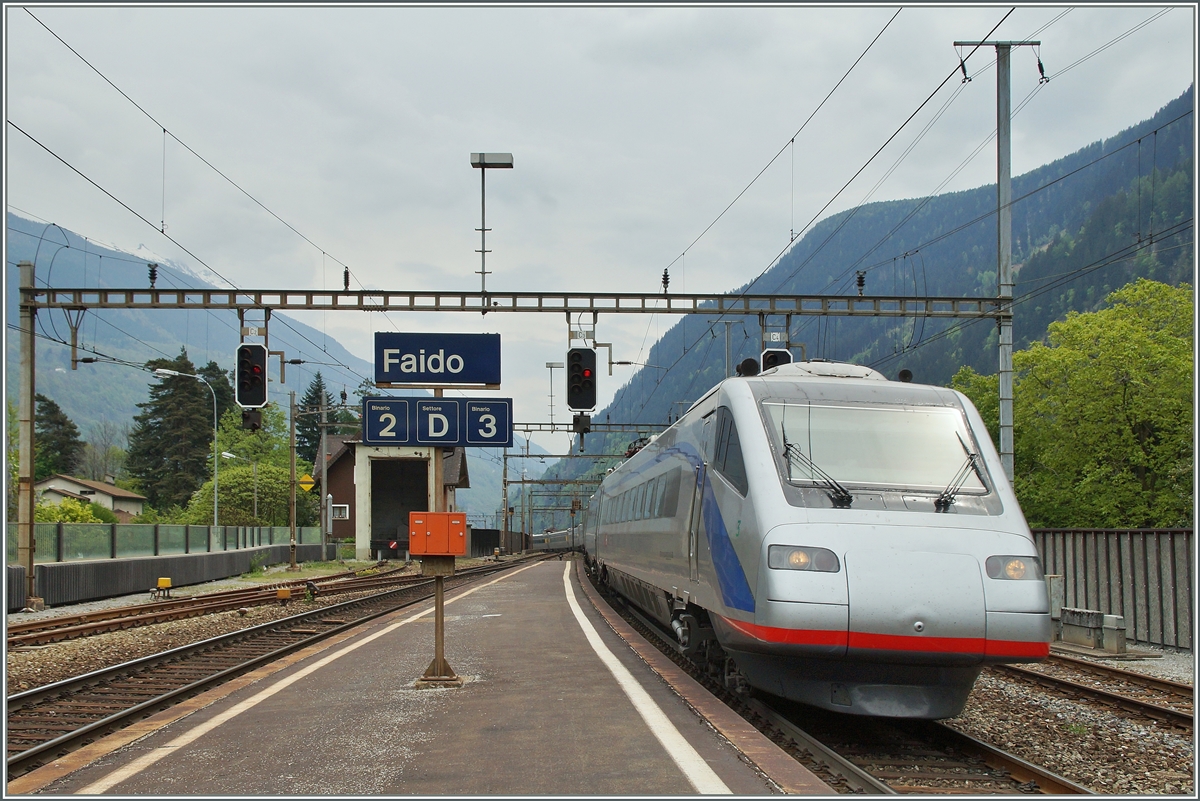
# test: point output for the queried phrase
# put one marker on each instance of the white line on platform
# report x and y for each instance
(155, 754)
(697, 771)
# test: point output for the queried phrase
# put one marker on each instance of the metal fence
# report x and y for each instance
(1144, 575)
(69, 542)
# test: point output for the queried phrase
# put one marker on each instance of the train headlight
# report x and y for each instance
(791, 557)
(1014, 567)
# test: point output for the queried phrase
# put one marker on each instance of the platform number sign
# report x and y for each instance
(385, 421)
(448, 422)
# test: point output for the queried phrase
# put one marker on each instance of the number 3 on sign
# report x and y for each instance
(487, 424)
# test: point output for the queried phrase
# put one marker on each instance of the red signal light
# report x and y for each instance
(587, 373)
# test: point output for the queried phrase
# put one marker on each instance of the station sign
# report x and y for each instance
(448, 422)
(437, 359)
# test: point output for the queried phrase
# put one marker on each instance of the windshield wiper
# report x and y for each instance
(840, 496)
(943, 501)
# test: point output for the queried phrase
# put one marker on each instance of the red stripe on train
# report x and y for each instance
(892, 642)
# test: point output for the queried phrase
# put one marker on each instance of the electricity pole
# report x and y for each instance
(1004, 236)
(26, 543)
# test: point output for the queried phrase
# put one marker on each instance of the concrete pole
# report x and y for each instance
(326, 526)
(1004, 248)
(504, 509)
(26, 542)
(292, 502)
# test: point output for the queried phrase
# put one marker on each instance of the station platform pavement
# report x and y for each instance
(555, 702)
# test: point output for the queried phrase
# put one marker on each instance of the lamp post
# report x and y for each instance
(254, 472)
(484, 162)
(162, 372)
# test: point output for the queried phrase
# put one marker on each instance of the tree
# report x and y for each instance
(102, 453)
(68, 511)
(308, 421)
(172, 438)
(1103, 414)
(236, 501)
(57, 447)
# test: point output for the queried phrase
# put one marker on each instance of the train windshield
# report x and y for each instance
(883, 447)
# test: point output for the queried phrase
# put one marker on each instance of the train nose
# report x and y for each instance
(925, 608)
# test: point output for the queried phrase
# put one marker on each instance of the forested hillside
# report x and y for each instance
(1083, 226)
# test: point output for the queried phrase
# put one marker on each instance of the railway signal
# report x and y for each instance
(581, 379)
(773, 357)
(251, 385)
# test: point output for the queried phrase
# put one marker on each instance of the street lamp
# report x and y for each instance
(551, 366)
(162, 372)
(254, 471)
(484, 162)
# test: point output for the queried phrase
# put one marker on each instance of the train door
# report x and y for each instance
(694, 517)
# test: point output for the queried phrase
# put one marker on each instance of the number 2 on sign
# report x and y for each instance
(389, 429)
(488, 423)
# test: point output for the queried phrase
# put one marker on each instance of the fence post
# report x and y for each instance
(58, 541)
(156, 539)
(112, 540)
(187, 537)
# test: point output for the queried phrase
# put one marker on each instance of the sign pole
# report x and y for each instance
(292, 514)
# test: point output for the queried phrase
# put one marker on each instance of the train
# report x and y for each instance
(566, 539)
(824, 534)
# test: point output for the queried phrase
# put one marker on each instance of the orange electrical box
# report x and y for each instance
(437, 533)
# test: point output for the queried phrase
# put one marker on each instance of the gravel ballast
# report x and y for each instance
(1107, 751)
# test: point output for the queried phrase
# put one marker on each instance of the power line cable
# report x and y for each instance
(791, 140)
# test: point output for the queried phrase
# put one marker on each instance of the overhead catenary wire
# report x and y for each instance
(903, 125)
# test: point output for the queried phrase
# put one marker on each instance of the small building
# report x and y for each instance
(374, 489)
(123, 503)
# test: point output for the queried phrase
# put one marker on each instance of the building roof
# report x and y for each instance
(99, 486)
(66, 493)
(454, 468)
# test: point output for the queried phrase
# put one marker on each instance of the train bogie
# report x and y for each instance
(852, 543)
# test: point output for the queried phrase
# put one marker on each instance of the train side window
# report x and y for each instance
(670, 496)
(727, 458)
(655, 499)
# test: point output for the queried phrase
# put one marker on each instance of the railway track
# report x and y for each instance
(57, 629)
(50, 721)
(1159, 699)
(856, 754)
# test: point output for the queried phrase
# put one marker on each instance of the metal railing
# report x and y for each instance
(69, 542)
(1144, 575)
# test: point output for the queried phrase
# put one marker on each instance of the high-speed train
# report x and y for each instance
(829, 536)
(556, 540)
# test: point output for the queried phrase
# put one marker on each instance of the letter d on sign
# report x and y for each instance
(438, 425)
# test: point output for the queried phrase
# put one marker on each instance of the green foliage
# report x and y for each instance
(172, 514)
(172, 437)
(256, 565)
(236, 501)
(1103, 414)
(69, 511)
(57, 446)
(102, 513)
(308, 419)
(984, 392)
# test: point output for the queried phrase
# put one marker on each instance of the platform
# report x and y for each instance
(555, 701)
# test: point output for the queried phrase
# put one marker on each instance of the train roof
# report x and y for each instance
(822, 370)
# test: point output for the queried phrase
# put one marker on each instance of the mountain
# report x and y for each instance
(1083, 225)
(65, 259)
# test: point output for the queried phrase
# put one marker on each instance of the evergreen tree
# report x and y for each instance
(170, 447)
(218, 379)
(57, 446)
(308, 419)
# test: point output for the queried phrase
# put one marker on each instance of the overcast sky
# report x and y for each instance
(631, 130)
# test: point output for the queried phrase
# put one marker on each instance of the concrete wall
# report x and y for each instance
(74, 582)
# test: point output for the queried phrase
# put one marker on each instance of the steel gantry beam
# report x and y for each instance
(521, 302)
